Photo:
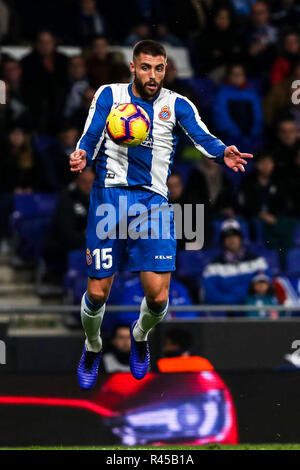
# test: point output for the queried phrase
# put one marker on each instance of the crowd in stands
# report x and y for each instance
(245, 57)
(178, 353)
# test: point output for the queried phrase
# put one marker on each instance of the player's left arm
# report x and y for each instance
(188, 118)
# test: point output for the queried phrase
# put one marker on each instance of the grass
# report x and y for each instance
(205, 447)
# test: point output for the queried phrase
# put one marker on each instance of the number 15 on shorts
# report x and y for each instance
(103, 258)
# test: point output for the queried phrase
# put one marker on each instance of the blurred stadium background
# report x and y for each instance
(234, 304)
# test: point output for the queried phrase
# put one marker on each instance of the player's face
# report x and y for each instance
(149, 73)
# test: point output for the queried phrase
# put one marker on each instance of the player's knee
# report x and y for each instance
(156, 302)
(97, 295)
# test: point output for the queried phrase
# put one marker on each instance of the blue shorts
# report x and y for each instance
(129, 229)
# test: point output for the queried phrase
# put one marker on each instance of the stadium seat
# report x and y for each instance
(204, 88)
(191, 263)
(33, 205)
(293, 262)
(43, 141)
(258, 233)
(79, 288)
(30, 221)
(183, 169)
(76, 267)
(77, 261)
(296, 241)
(271, 256)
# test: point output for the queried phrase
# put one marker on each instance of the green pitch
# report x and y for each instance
(206, 447)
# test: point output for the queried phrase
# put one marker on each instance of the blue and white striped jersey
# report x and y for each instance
(148, 164)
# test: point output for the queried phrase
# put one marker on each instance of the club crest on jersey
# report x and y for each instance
(88, 257)
(165, 113)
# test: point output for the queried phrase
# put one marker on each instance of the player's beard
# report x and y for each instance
(141, 88)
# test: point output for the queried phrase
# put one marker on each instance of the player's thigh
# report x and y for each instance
(103, 249)
(156, 286)
(98, 290)
(153, 247)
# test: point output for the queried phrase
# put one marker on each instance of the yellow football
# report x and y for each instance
(128, 125)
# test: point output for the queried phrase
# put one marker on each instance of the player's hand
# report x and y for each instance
(234, 159)
(78, 160)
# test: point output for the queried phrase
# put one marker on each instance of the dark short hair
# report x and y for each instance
(150, 47)
(179, 337)
(287, 118)
(118, 327)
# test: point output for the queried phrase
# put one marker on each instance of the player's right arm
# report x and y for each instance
(89, 143)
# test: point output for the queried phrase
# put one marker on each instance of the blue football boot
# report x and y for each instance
(87, 371)
(139, 356)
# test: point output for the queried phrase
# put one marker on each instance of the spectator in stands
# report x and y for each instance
(261, 293)
(120, 73)
(288, 58)
(237, 110)
(3, 58)
(54, 159)
(12, 75)
(172, 82)
(4, 20)
(78, 117)
(286, 145)
(9, 23)
(207, 184)
(68, 227)
(278, 100)
(260, 40)
(78, 83)
(100, 63)
(293, 110)
(293, 183)
(285, 13)
(175, 186)
(177, 354)
(189, 20)
(116, 359)
(44, 79)
(163, 35)
(264, 195)
(89, 22)
(15, 112)
(140, 32)
(227, 277)
(224, 47)
(20, 171)
(177, 342)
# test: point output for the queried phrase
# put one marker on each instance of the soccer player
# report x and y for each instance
(141, 174)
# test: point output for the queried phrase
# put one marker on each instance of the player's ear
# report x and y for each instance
(132, 67)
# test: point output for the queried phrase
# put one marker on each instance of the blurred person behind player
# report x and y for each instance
(116, 359)
(140, 174)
